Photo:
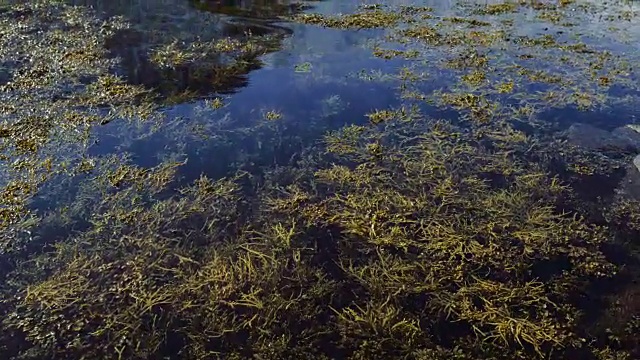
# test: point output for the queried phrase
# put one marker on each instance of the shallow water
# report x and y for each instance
(315, 64)
(317, 79)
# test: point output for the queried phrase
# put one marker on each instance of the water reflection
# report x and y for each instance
(325, 95)
(319, 80)
(316, 65)
(316, 81)
(260, 9)
(182, 49)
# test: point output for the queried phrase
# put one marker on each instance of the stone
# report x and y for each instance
(627, 136)
(636, 162)
(589, 137)
(593, 138)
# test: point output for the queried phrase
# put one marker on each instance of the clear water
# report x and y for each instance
(319, 79)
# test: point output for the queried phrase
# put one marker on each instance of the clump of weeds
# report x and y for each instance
(407, 237)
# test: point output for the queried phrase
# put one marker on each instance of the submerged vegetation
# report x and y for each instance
(492, 234)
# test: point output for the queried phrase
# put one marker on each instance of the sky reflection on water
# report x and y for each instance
(314, 66)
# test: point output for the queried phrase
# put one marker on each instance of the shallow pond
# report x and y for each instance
(319, 179)
(316, 72)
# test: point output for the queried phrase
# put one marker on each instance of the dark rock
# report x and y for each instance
(589, 137)
(629, 187)
(627, 136)
(636, 162)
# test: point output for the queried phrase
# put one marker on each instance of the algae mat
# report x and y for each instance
(326, 180)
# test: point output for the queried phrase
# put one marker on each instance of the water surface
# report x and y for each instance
(413, 180)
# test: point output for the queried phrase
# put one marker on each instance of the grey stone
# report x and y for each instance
(627, 136)
(629, 187)
(636, 162)
(589, 136)
(592, 138)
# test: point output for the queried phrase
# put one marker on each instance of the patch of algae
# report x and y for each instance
(414, 238)
(564, 66)
(364, 20)
(62, 74)
(59, 75)
(429, 247)
(199, 67)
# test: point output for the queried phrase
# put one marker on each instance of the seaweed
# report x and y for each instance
(396, 235)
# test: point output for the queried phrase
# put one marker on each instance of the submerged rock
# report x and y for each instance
(629, 187)
(589, 136)
(5, 75)
(636, 162)
(592, 138)
(628, 134)
(626, 139)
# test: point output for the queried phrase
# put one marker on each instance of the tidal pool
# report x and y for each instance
(319, 179)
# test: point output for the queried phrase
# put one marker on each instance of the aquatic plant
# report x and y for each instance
(364, 20)
(433, 237)
(405, 237)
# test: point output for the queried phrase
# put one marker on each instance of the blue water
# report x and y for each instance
(332, 92)
(334, 59)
